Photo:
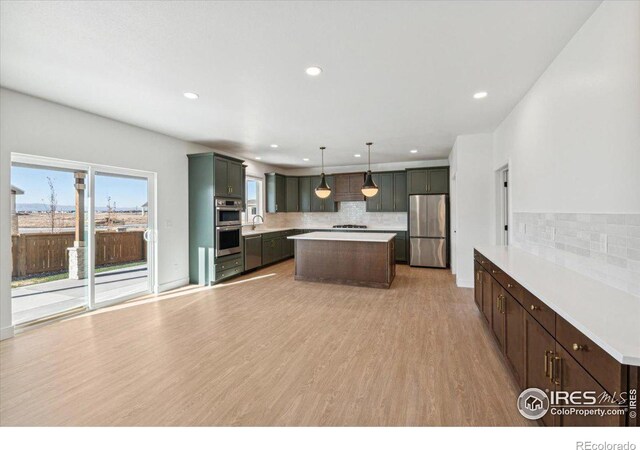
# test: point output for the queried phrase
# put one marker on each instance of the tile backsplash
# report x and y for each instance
(602, 246)
(348, 213)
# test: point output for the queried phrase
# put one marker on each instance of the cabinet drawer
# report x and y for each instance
(483, 261)
(509, 284)
(221, 267)
(540, 311)
(606, 370)
(228, 273)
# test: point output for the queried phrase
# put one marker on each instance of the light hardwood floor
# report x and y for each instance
(266, 350)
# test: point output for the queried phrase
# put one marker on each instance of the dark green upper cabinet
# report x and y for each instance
(221, 167)
(297, 194)
(417, 181)
(229, 181)
(244, 188)
(390, 197)
(304, 193)
(317, 205)
(281, 193)
(235, 178)
(329, 203)
(400, 199)
(428, 181)
(386, 192)
(276, 192)
(373, 203)
(438, 181)
(292, 204)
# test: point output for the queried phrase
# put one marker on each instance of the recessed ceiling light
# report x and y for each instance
(314, 71)
(357, 155)
(413, 151)
(258, 158)
(305, 159)
(191, 95)
(480, 94)
(274, 146)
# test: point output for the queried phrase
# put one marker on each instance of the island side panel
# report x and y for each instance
(355, 263)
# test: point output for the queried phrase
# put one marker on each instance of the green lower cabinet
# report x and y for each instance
(228, 267)
(401, 247)
(270, 250)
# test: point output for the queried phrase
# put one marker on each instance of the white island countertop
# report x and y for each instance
(606, 315)
(260, 229)
(351, 236)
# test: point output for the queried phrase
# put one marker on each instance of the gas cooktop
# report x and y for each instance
(349, 226)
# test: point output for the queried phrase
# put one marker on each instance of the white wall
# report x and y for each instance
(38, 127)
(470, 200)
(573, 142)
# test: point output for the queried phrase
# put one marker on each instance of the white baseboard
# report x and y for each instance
(6, 333)
(463, 283)
(173, 285)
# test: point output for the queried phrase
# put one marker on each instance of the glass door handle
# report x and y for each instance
(146, 235)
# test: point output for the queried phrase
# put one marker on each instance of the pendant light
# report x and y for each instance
(369, 188)
(323, 190)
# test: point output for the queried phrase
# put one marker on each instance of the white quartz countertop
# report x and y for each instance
(344, 236)
(247, 231)
(606, 315)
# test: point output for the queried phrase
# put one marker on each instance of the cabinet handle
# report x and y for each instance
(557, 370)
(478, 276)
(495, 271)
(483, 262)
(578, 347)
(510, 286)
(534, 307)
(547, 364)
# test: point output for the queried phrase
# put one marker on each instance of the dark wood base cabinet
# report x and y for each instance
(544, 351)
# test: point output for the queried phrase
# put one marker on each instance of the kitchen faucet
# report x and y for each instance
(253, 221)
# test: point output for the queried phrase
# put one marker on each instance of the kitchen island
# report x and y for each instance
(357, 259)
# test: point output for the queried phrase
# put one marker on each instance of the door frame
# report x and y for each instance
(503, 206)
(152, 223)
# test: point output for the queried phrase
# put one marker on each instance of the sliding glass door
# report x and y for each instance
(82, 236)
(48, 242)
(121, 236)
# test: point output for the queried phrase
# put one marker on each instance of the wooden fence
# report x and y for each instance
(35, 253)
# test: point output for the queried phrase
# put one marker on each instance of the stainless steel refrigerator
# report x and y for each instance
(428, 230)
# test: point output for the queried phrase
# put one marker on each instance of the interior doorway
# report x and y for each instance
(502, 202)
(82, 237)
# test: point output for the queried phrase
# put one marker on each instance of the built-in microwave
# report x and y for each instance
(228, 212)
(228, 240)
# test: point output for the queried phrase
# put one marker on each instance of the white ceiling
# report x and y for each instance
(399, 74)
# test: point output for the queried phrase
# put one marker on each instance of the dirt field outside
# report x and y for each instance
(66, 220)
